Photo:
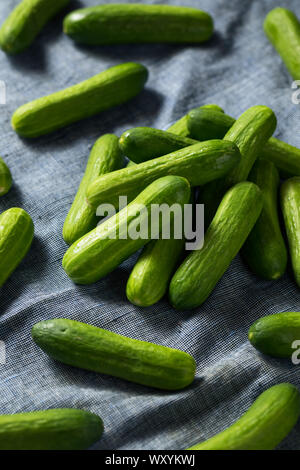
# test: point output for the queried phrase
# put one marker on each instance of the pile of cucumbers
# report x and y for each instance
(234, 167)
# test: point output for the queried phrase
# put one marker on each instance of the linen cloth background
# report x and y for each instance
(237, 69)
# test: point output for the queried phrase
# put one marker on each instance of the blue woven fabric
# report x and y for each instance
(236, 70)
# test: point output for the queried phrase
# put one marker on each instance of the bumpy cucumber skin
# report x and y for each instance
(100, 251)
(92, 348)
(112, 87)
(264, 249)
(5, 178)
(285, 157)
(54, 429)
(266, 423)
(275, 334)
(16, 234)
(290, 204)
(106, 156)
(207, 123)
(198, 275)
(25, 22)
(145, 143)
(180, 127)
(282, 27)
(198, 163)
(137, 23)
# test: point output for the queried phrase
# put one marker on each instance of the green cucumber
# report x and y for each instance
(105, 157)
(206, 124)
(198, 163)
(199, 273)
(290, 204)
(275, 334)
(266, 423)
(100, 251)
(26, 21)
(16, 234)
(5, 178)
(54, 429)
(264, 249)
(107, 89)
(130, 163)
(145, 143)
(282, 28)
(180, 127)
(92, 348)
(137, 23)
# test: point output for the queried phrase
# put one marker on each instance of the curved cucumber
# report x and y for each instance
(91, 348)
(5, 178)
(137, 23)
(198, 163)
(290, 204)
(56, 429)
(105, 157)
(266, 423)
(180, 127)
(275, 334)
(105, 90)
(282, 27)
(145, 143)
(265, 250)
(198, 275)
(16, 234)
(26, 21)
(100, 251)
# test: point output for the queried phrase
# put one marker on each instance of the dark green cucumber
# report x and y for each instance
(282, 27)
(138, 23)
(275, 334)
(266, 423)
(145, 143)
(92, 348)
(198, 163)
(290, 205)
(55, 429)
(100, 251)
(5, 178)
(106, 156)
(180, 127)
(264, 249)
(199, 273)
(208, 122)
(16, 234)
(26, 21)
(105, 90)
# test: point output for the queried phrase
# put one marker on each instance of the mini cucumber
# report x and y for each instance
(16, 234)
(100, 251)
(25, 22)
(92, 348)
(198, 163)
(54, 429)
(199, 273)
(138, 23)
(282, 27)
(5, 178)
(180, 127)
(290, 204)
(107, 89)
(266, 423)
(105, 157)
(264, 249)
(275, 334)
(208, 122)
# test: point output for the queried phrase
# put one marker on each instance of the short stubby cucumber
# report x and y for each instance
(137, 23)
(264, 249)
(290, 204)
(282, 27)
(101, 250)
(199, 273)
(114, 86)
(266, 423)
(5, 178)
(88, 347)
(208, 122)
(106, 156)
(54, 429)
(180, 127)
(198, 163)
(16, 234)
(26, 21)
(275, 334)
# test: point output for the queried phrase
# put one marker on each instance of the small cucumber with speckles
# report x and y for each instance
(180, 127)
(5, 178)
